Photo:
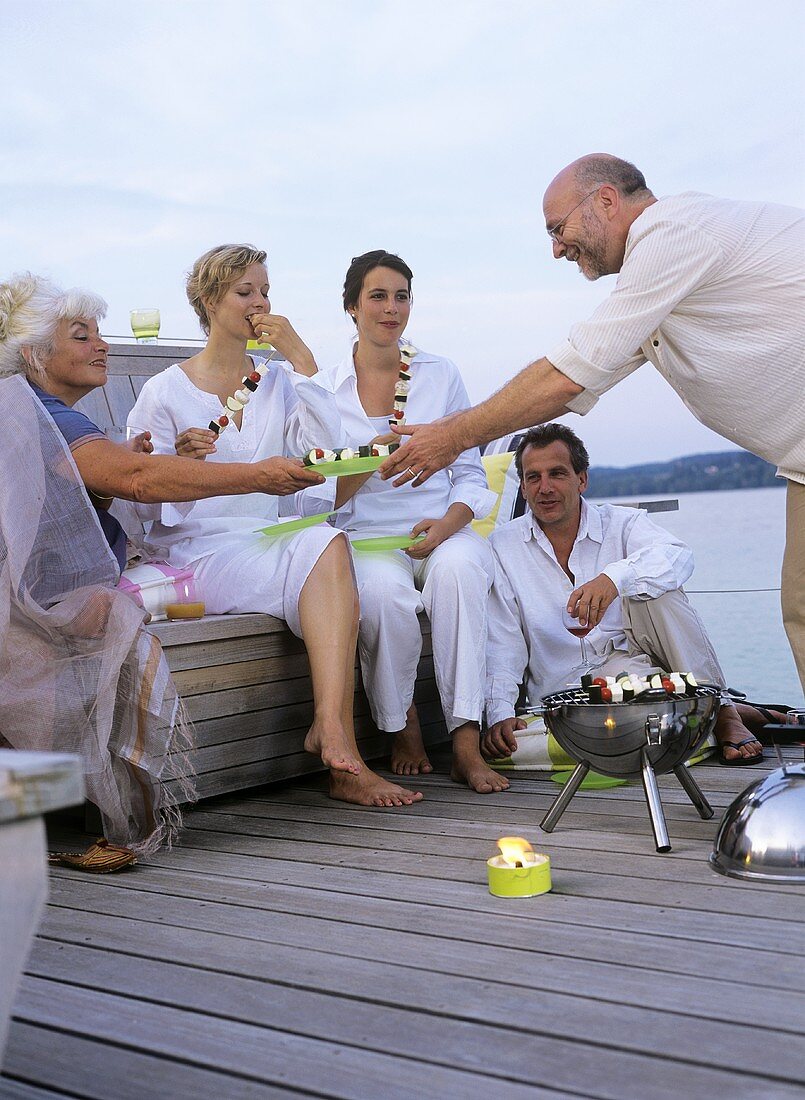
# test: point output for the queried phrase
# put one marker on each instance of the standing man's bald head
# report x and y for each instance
(589, 207)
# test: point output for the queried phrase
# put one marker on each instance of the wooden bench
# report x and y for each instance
(245, 679)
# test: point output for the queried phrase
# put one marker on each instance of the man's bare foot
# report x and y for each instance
(408, 755)
(370, 789)
(329, 741)
(469, 766)
(735, 741)
(755, 719)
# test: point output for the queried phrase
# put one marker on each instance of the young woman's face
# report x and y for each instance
(383, 308)
(78, 363)
(247, 295)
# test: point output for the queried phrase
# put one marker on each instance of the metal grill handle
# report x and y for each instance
(653, 729)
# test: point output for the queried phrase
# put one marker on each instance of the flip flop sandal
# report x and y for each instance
(739, 761)
(766, 733)
(767, 709)
(99, 859)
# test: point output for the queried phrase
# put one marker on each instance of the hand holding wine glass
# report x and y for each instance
(586, 607)
(578, 628)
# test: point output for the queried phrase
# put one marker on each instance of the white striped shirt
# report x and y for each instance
(712, 292)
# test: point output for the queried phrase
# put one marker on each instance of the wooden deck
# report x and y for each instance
(295, 946)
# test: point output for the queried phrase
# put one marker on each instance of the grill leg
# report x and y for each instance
(693, 792)
(655, 806)
(559, 806)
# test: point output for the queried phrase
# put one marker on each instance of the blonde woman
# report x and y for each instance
(304, 578)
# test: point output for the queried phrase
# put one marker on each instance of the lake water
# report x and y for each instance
(738, 538)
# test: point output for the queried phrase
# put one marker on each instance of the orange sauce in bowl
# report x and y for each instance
(185, 610)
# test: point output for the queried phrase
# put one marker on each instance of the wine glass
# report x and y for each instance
(145, 325)
(578, 630)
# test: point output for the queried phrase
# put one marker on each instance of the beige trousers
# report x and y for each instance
(665, 633)
(793, 577)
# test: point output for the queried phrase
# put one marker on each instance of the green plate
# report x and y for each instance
(381, 543)
(593, 781)
(291, 525)
(348, 466)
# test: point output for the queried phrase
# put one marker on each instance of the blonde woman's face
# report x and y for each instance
(246, 296)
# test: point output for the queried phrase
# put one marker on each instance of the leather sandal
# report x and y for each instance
(99, 859)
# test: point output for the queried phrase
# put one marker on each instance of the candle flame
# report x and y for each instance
(515, 850)
(610, 723)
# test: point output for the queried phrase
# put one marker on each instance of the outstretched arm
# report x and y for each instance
(109, 470)
(537, 394)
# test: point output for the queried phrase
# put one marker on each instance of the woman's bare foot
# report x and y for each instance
(469, 766)
(329, 741)
(408, 755)
(370, 789)
(734, 739)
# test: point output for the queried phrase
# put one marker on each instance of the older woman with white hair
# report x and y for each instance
(78, 673)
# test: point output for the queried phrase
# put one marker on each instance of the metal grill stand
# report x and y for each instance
(652, 792)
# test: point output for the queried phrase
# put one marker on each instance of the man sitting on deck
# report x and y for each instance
(611, 567)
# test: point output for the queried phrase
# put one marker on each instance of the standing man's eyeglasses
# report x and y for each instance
(556, 232)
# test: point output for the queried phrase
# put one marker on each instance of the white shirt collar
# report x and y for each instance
(590, 527)
(346, 368)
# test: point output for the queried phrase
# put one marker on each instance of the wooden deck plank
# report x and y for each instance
(19, 1090)
(263, 1054)
(671, 950)
(589, 883)
(91, 1068)
(292, 942)
(557, 977)
(483, 1047)
(431, 829)
(641, 863)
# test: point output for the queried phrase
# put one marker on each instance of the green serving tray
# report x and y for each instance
(348, 466)
(291, 525)
(380, 544)
(593, 781)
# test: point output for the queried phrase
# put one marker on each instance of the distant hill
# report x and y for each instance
(691, 474)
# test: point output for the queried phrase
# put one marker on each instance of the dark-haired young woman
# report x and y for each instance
(448, 573)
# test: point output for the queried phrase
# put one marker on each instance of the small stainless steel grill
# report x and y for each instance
(652, 734)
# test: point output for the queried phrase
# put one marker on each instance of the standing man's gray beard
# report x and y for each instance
(593, 248)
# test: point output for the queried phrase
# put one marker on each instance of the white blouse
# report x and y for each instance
(436, 390)
(287, 415)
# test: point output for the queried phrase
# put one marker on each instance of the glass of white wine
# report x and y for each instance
(145, 325)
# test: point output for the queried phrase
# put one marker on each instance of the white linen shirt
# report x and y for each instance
(531, 589)
(712, 292)
(436, 390)
(285, 416)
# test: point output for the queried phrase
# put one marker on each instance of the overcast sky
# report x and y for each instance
(134, 136)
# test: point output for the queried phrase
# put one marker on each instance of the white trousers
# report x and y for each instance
(452, 586)
(258, 574)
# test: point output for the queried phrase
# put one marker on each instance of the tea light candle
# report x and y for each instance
(519, 871)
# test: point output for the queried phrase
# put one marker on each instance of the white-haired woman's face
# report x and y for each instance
(78, 362)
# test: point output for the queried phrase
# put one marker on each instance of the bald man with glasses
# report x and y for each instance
(710, 292)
